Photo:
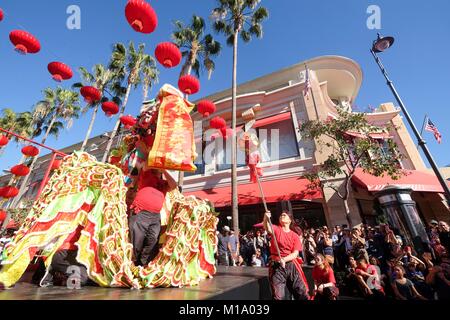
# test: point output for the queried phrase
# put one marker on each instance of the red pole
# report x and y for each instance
(47, 174)
(33, 142)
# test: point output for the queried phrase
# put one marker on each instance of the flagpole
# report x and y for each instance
(425, 120)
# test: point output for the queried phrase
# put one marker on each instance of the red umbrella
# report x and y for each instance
(168, 54)
(24, 42)
(91, 94)
(141, 16)
(110, 108)
(206, 108)
(20, 170)
(30, 151)
(218, 123)
(189, 84)
(10, 192)
(128, 121)
(1, 15)
(60, 71)
(3, 140)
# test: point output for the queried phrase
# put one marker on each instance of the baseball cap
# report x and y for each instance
(226, 228)
(433, 222)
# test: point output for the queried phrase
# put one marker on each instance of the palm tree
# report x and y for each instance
(131, 66)
(235, 18)
(60, 105)
(150, 77)
(197, 48)
(101, 78)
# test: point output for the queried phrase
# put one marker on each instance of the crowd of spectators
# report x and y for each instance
(370, 262)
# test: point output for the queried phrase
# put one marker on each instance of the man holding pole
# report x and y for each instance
(285, 267)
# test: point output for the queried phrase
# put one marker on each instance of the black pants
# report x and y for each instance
(64, 271)
(289, 277)
(144, 232)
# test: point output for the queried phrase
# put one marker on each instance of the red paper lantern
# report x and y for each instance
(56, 164)
(168, 54)
(141, 16)
(206, 108)
(3, 215)
(217, 123)
(110, 108)
(20, 170)
(3, 141)
(128, 121)
(24, 42)
(10, 192)
(1, 15)
(30, 151)
(189, 84)
(91, 94)
(60, 71)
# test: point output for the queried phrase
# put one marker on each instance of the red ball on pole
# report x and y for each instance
(218, 123)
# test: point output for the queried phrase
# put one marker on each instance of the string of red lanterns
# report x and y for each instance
(60, 71)
(206, 108)
(110, 108)
(141, 16)
(128, 121)
(20, 170)
(189, 84)
(30, 151)
(91, 94)
(24, 42)
(3, 140)
(168, 54)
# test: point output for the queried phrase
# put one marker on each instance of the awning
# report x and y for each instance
(274, 191)
(271, 120)
(416, 180)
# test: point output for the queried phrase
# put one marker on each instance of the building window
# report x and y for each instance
(278, 141)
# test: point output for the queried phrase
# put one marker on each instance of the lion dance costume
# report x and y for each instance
(92, 196)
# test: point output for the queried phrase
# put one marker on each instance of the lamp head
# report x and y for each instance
(382, 43)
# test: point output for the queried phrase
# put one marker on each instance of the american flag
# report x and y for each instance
(307, 83)
(432, 128)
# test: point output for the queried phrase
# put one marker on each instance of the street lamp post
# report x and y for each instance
(380, 45)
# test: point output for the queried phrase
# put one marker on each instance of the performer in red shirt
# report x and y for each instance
(145, 221)
(287, 270)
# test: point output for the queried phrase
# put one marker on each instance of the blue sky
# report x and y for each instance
(297, 30)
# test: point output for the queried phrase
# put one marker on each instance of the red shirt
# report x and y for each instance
(288, 242)
(148, 199)
(322, 276)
